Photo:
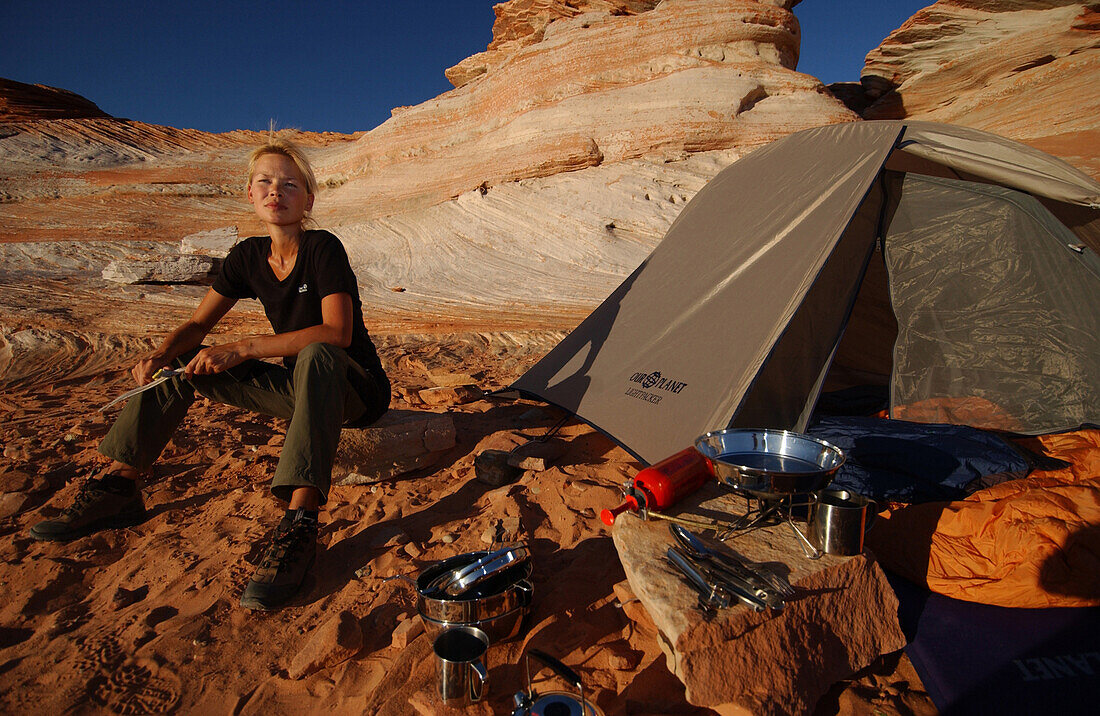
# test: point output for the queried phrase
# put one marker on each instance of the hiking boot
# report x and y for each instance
(285, 563)
(103, 503)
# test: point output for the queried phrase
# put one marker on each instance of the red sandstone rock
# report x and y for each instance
(336, 641)
(406, 631)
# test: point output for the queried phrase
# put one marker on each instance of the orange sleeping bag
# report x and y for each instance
(1033, 542)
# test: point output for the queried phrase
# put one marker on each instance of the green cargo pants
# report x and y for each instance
(324, 391)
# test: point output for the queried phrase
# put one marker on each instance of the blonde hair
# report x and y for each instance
(276, 145)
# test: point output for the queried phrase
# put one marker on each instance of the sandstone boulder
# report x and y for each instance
(451, 395)
(737, 661)
(401, 441)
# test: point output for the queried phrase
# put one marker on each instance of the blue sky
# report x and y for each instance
(334, 65)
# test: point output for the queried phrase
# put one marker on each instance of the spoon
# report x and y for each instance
(765, 572)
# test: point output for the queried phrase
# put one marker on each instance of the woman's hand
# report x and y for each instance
(215, 359)
(145, 368)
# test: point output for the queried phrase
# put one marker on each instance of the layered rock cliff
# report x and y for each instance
(566, 148)
(524, 194)
(1025, 69)
(565, 86)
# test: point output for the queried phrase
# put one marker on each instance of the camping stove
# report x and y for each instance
(769, 510)
(777, 471)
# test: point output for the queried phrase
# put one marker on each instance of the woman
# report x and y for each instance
(311, 297)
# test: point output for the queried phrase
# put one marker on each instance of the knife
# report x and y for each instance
(159, 377)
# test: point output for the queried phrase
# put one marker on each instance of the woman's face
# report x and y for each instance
(278, 191)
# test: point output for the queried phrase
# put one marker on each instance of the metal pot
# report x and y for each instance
(770, 463)
(497, 605)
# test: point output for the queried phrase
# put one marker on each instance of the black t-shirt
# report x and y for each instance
(321, 269)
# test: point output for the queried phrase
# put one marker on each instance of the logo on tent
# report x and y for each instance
(653, 381)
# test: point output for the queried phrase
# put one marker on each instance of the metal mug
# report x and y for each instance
(462, 677)
(838, 521)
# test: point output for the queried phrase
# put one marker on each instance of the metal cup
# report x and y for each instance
(462, 678)
(838, 521)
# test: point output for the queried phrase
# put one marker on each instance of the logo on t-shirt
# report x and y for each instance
(303, 288)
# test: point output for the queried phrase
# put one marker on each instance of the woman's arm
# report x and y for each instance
(187, 337)
(334, 329)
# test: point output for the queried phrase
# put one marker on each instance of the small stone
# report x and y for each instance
(15, 452)
(11, 503)
(491, 468)
(412, 550)
(623, 658)
(406, 631)
(412, 397)
(489, 536)
(123, 597)
(396, 538)
(364, 571)
(510, 526)
(536, 455)
(448, 539)
(535, 489)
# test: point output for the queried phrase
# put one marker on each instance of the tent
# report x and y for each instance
(958, 268)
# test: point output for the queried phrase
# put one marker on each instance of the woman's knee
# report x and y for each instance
(322, 354)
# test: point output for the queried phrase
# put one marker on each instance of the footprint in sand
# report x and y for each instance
(137, 686)
(99, 653)
(97, 656)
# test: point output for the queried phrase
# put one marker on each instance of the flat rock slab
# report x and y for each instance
(739, 661)
(400, 442)
(215, 242)
(169, 269)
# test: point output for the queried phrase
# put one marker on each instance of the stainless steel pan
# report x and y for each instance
(770, 463)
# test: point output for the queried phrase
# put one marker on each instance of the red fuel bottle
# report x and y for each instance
(662, 485)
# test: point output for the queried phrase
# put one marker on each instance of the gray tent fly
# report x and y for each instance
(956, 267)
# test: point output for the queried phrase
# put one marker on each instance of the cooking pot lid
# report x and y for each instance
(463, 579)
(562, 703)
